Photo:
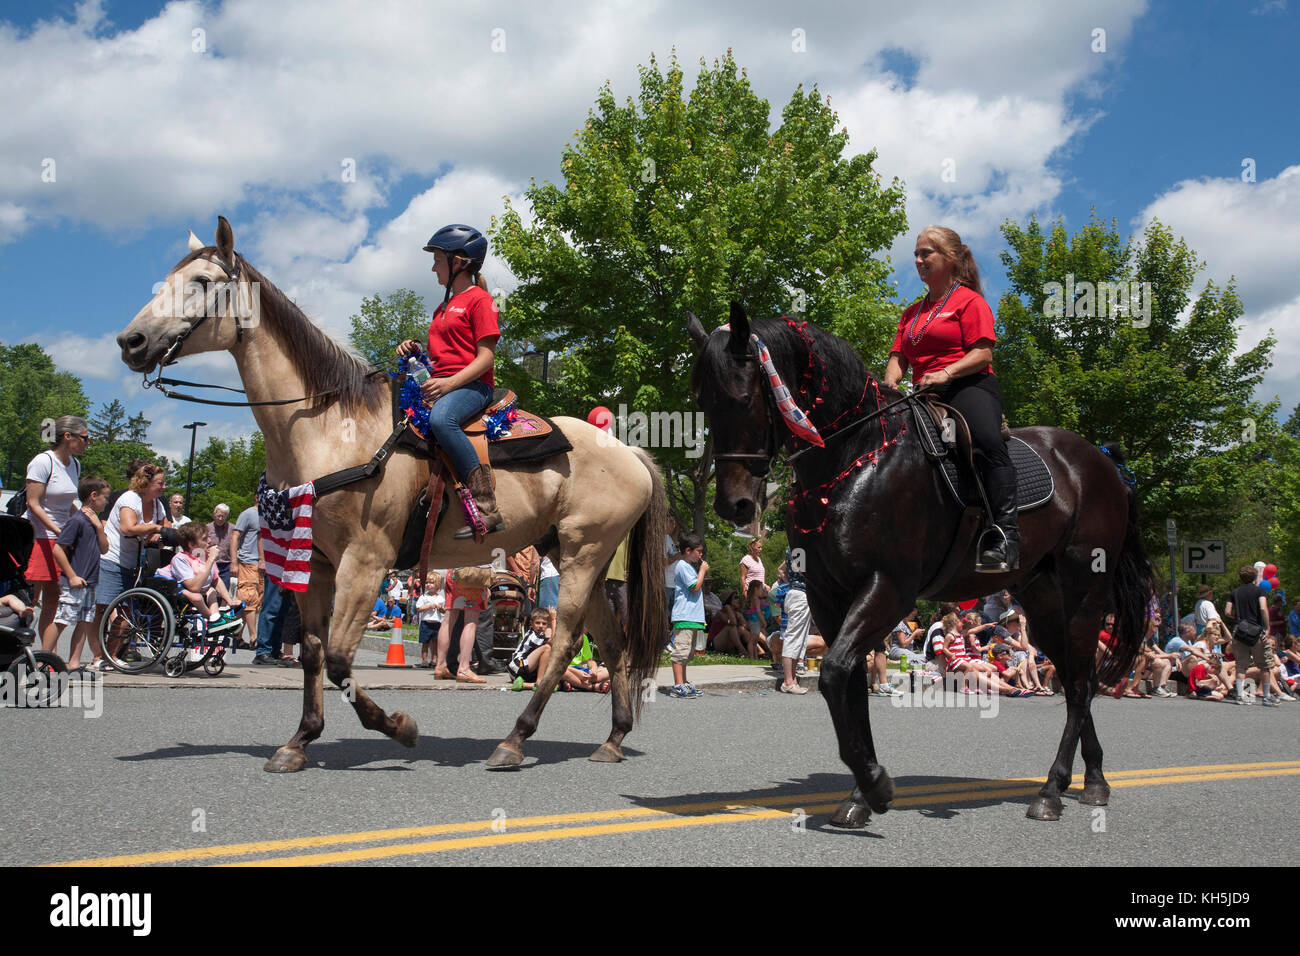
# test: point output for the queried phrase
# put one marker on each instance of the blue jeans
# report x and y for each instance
(270, 621)
(444, 422)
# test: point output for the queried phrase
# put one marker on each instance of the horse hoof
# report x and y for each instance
(1095, 795)
(505, 756)
(1044, 808)
(881, 794)
(286, 760)
(406, 733)
(607, 753)
(851, 815)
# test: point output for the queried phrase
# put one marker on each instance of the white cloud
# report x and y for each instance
(1238, 229)
(145, 129)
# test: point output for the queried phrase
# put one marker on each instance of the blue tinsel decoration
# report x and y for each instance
(410, 400)
(498, 423)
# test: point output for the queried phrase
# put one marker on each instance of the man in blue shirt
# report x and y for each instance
(1293, 620)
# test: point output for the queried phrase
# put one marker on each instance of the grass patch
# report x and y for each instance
(709, 657)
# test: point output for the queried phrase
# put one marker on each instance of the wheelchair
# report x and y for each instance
(152, 624)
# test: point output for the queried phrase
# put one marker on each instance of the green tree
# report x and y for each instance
(674, 203)
(32, 396)
(109, 424)
(384, 323)
(225, 472)
(1174, 391)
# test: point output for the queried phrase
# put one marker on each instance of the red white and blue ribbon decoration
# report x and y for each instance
(795, 417)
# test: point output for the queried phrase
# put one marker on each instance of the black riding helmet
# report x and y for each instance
(462, 239)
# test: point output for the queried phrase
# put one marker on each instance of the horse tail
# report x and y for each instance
(1133, 588)
(647, 624)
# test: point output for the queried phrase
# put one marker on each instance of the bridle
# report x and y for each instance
(170, 356)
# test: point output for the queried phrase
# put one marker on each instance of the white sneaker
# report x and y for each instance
(795, 688)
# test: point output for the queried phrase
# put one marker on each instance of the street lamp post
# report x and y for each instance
(189, 478)
(546, 361)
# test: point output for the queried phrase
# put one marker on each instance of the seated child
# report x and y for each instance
(194, 569)
(379, 616)
(529, 658)
(1202, 683)
(583, 673)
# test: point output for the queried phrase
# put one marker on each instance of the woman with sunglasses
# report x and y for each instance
(52, 478)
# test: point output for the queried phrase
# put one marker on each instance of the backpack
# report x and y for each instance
(17, 505)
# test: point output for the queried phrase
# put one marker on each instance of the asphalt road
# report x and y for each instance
(174, 777)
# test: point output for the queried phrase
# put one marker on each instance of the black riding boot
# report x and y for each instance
(998, 555)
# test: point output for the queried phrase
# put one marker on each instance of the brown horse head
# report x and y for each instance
(199, 307)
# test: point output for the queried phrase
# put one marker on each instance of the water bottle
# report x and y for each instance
(416, 370)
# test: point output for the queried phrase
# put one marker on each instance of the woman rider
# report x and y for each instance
(462, 346)
(947, 339)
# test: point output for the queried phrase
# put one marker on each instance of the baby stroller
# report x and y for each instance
(32, 674)
(152, 623)
(508, 599)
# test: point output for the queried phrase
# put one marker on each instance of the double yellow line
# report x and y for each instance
(566, 826)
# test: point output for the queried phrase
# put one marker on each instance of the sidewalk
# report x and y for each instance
(242, 673)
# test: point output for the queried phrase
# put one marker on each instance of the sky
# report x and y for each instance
(127, 123)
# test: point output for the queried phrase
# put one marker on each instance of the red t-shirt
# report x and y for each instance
(453, 340)
(964, 319)
(1198, 673)
(1106, 638)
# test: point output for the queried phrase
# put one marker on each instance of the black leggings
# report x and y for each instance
(979, 398)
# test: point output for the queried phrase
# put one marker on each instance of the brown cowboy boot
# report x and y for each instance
(479, 483)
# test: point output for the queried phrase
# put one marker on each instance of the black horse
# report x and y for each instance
(879, 530)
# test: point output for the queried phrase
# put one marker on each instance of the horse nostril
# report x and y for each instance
(133, 342)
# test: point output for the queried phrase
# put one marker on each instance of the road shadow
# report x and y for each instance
(958, 793)
(360, 753)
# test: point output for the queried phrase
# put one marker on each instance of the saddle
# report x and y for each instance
(945, 437)
(500, 434)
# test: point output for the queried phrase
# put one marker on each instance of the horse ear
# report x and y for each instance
(696, 329)
(195, 242)
(739, 329)
(225, 240)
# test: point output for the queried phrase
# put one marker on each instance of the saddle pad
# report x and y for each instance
(526, 448)
(1034, 486)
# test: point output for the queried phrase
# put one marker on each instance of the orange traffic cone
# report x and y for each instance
(396, 649)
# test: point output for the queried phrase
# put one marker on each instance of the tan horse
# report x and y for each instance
(577, 506)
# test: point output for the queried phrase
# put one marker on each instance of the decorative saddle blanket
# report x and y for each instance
(1034, 486)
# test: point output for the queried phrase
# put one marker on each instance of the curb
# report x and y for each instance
(745, 684)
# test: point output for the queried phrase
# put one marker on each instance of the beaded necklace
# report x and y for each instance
(912, 335)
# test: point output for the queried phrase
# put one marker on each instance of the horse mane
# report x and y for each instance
(836, 360)
(322, 362)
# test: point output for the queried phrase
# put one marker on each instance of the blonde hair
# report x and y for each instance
(956, 252)
(951, 623)
(434, 581)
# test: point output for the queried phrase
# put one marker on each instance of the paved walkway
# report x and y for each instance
(241, 672)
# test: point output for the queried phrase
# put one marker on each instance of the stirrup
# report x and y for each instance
(1003, 565)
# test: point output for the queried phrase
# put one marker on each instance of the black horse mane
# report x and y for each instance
(322, 363)
(834, 361)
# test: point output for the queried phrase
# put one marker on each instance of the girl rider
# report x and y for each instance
(462, 346)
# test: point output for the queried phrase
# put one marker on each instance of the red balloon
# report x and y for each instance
(1270, 571)
(1275, 582)
(967, 605)
(602, 418)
